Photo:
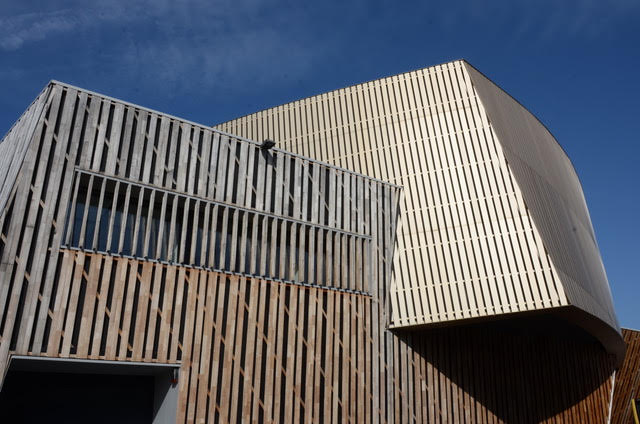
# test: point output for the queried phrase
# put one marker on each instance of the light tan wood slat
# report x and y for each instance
(101, 308)
(289, 389)
(271, 360)
(216, 365)
(72, 304)
(208, 330)
(239, 340)
(262, 317)
(253, 342)
(125, 348)
(142, 325)
(176, 343)
(154, 312)
(116, 310)
(60, 305)
(88, 308)
(192, 324)
(167, 314)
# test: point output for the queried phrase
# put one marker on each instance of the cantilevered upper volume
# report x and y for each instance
(493, 218)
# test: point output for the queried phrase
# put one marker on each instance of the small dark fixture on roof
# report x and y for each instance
(267, 144)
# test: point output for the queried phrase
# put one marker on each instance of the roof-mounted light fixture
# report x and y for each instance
(267, 144)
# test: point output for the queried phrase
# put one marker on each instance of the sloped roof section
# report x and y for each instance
(15, 143)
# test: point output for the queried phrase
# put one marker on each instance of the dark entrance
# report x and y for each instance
(70, 391)
(40, 397)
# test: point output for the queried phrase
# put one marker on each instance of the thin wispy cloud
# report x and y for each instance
(190, 45)
(186, 44)
(20, 30)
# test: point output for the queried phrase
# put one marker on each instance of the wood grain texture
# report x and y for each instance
(627, 380)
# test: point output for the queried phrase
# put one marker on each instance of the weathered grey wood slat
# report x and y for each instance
(96, 148)
(194, 233)
(139, 228)
(114, 139)
(123, 219)
(137, 149)
(169, 176)
(243, 174)
(222, 167)
(48, 209)
(223, 238)
(147, 248)
(16, 143)
(15, 257)
(182, 244)
(192, 142)
(65, 186)
(204, 163)
(213, 165)
(85, 213)
(150, 139)
(213, 236)
(112, 217)
(243, 234)
(96, 233)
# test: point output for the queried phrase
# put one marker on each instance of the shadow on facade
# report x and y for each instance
(522, 370)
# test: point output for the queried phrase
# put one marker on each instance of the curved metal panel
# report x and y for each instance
(553, 194)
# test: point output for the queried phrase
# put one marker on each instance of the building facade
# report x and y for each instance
(417, 249)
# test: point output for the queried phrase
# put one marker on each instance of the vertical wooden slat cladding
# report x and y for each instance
(241, 342)
(131, 235)
(627, 380)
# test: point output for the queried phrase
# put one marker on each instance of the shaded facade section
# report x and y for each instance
(627, 380)
(525, 370)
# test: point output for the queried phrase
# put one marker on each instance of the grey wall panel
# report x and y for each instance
(553, 193)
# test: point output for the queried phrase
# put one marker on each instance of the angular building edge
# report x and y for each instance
(392, 377)
(553, 194)
(553, 202)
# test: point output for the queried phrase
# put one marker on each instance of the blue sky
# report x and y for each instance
(574, 64)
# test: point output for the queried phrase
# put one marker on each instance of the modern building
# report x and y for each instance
(415, 249)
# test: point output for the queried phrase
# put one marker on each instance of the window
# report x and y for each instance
(116, 216)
